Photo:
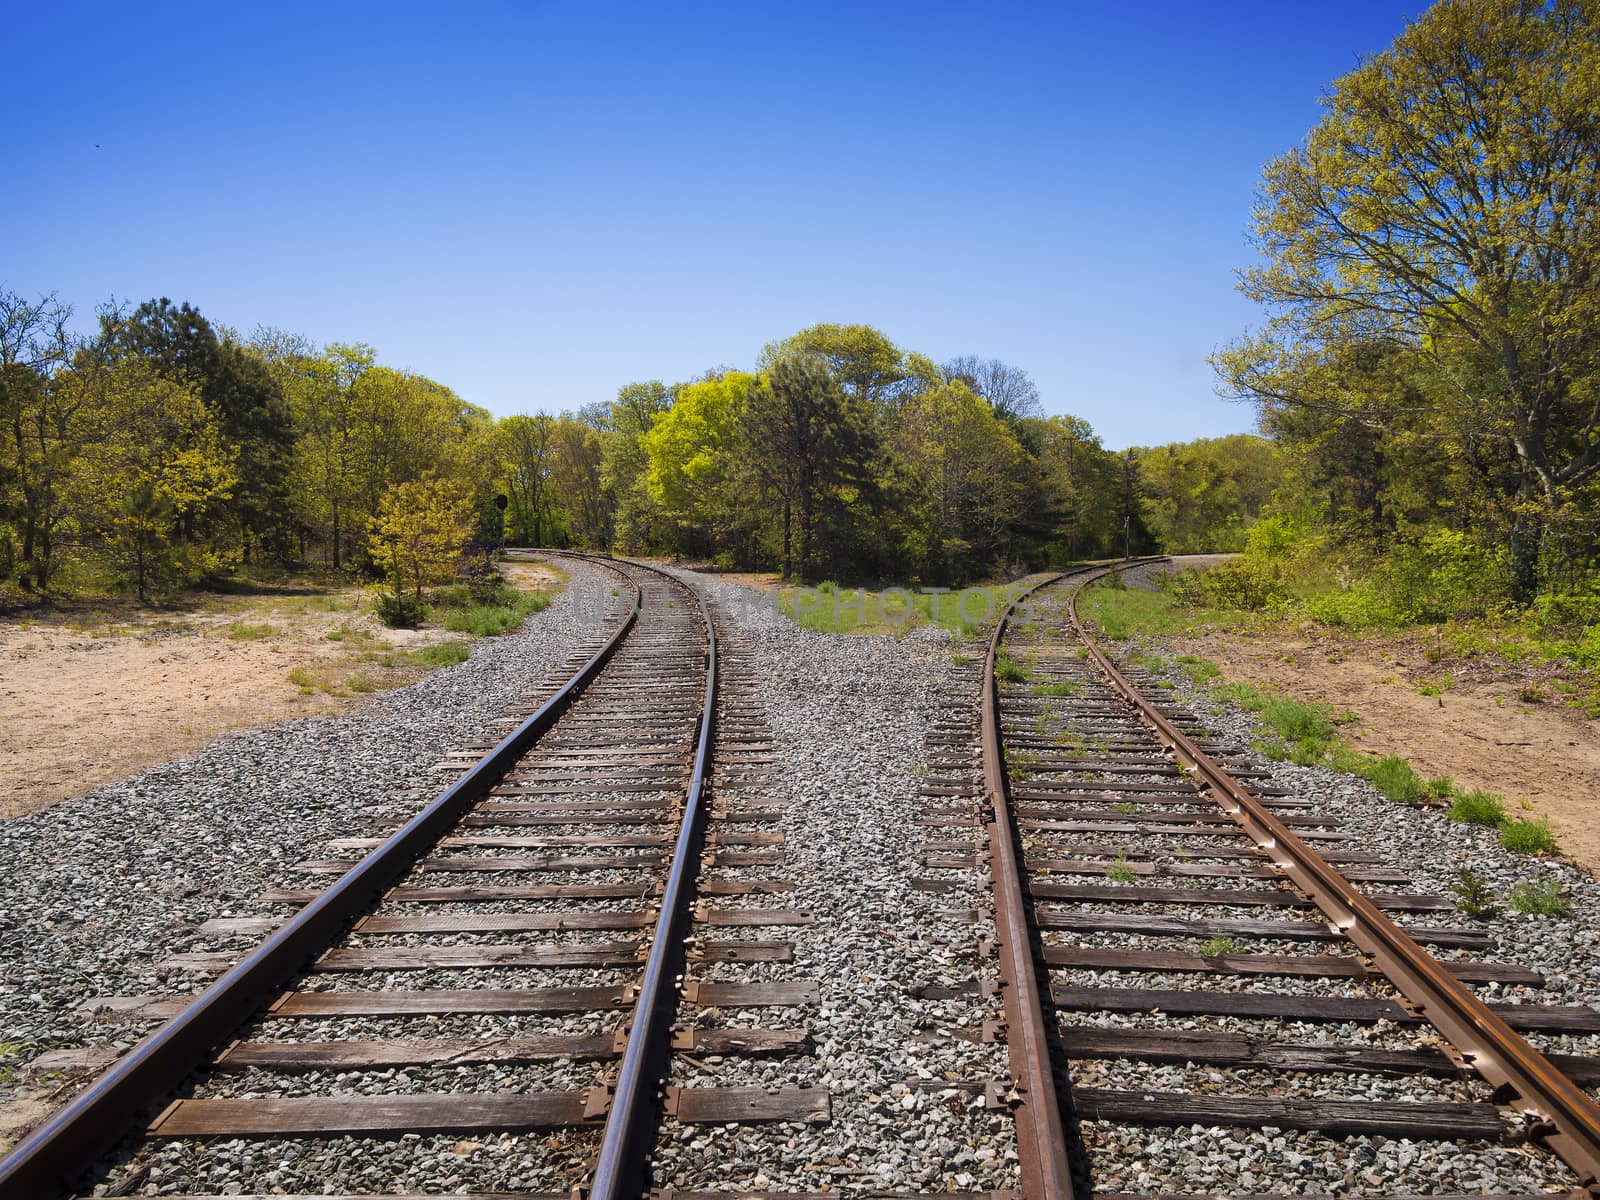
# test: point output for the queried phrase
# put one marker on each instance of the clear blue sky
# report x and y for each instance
(535, 203)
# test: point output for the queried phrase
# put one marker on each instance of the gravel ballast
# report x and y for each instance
(99, 888)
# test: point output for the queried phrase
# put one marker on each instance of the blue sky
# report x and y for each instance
(536, 203)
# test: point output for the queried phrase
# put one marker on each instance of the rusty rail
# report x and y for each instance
(48, 1161)
(1041, 1137)
(1559, 1114)
(631, 1122)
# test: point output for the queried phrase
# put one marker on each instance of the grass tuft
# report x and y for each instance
(1009, 670)
(1528, 837)
(442, 654)
(1540, 898)
(1478, 808)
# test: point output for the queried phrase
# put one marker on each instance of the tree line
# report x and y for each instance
(163, 450)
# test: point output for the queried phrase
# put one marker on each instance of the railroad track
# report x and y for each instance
(534, 913)
(584, 952)
(1212, 951)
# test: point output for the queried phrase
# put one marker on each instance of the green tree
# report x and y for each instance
(967, 481)
(869, 367)
(151, 462)
(36, 444)
(694, 473)
(809, 445)
(419, 532)
(527, 448)
(1447, 205)
(239, 388)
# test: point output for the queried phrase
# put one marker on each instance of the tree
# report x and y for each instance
(151, 461)
(637, 516)
(239, 388)
(869, 367)
(694, 470)
(1447, 205)
(527, 446)
(966, 481)
(1009, 390)
(419, 533)
(807, 442)
(37, 445)
(576, 474)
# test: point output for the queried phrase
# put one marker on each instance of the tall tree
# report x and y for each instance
(806, 441)
(527, 447)
(1009, 390)
(37, 439)
(1448, 205)
(236, 384)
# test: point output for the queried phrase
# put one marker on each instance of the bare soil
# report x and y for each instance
(1543, 758)
(91, 696)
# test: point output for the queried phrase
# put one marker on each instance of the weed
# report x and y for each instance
(1528, 837)
(1307, 752)
(1065, 687)
(961, 660)
(335, 635)
(1217, 946)
(441, 654)
(1440, 787)
(301, 678)
(1540, 898)
(491, 620)
(1200, 671)
(1393, 776)
(240, 631)
(1478, 808)
(1476, 897)
(1531, 693)
(1120, 872)
(1009, 670)
(1271, 749)
(1125, 806)
(361, 682)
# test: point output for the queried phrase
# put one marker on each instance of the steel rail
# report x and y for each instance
(48, 1161)
(631, 1122)
(1559, 1114)
(1041, 1135)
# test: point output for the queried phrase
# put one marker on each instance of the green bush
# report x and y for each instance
(486, 620)
(1540, 898)
(399, 612)
(1244, 583)
(1478, 808)
(1528, 837)
(1443, 575)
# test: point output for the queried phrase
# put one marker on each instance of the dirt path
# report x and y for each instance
(1478, 733)
(90, 700)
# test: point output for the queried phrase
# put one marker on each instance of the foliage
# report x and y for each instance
(1530, 836)
(1394, 777)
(1204, 495)
(399, 611)
(1540, 898)
(442, 654)
(1476, 896)
(1478, 808)
(419, 533)
(1427, 266)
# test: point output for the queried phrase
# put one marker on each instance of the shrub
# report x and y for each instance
(1540, 898)
(1442, 575)
(399, 611)
(1393, 776)
(1242, 584)
(1528, 837)
(1478, 808)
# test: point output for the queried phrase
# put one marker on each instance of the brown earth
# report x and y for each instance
(89, 697)
(1543, 758)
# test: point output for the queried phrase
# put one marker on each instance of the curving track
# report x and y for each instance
(526, 912)
(1186, 917)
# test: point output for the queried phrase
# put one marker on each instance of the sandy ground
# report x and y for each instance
(1544, 759)
(86, 701)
